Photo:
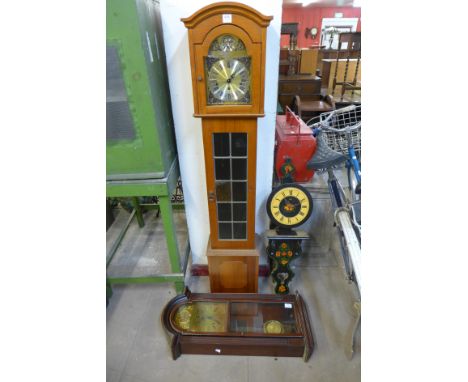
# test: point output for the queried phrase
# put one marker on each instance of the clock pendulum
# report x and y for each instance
(227, 54)
(288, 206)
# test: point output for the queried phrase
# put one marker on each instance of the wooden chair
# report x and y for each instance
(353, 47)
(309, 102)
(310, 106)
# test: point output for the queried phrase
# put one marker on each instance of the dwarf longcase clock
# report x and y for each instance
(227, 53)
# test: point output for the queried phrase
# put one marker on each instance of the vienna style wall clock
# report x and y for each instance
(227, 54)
(238, 324)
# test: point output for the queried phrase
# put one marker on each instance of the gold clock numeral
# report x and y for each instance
(277, 213)
(301, 213)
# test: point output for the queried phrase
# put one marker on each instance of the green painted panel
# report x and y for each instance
(134, 29)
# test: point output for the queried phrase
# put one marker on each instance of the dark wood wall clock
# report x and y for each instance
(227, 54)
(238, 324)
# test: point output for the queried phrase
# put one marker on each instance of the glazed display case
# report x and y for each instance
(238, 324)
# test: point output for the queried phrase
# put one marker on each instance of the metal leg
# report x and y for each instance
(108, 292)
(139, 214)
(357, 323)
(171, 238)
(179, 286)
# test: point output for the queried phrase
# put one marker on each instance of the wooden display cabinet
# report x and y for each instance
(238, 324)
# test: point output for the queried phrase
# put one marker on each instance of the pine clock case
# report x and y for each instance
(204, 27)
(298, 344)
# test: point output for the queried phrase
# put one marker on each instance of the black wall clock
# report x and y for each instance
(289, 205)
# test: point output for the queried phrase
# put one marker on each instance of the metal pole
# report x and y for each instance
(343, 219)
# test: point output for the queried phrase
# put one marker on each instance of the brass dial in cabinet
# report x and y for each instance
(227, 69)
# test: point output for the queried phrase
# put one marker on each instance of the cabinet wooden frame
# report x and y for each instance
(298, 344)
(227, 125)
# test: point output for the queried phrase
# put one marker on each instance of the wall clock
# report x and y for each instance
(289, 205)
(238, 324)
(227, 55)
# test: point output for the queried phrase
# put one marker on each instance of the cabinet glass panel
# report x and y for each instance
(267, 318)
(239, 144)
(221, 144)
(239, 211)
(239, 169)
(223, 191)
(230, 174)
(225, 231)
(239, 230)
(223, 169)
(224, 211)
(239, 191)
(270, 318)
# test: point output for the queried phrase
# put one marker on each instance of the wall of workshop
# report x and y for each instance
(312, 17)
(188, 129)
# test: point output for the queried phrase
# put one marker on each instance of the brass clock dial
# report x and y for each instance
(228, 80)
(227, 70)
(289, 205)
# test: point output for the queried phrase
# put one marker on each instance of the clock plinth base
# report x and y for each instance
(233, 270)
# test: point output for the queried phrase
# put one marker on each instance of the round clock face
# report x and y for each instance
(227, 71)
(289, 205)
(228, 80)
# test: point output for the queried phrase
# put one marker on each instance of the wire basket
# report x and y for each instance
(339, 120)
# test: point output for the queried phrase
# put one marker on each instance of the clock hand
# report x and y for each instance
(233, 70)
(220, 73)
(224, 92)
(224, 68)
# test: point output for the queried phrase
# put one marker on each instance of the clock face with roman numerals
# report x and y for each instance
(289, 205)
(227, 72)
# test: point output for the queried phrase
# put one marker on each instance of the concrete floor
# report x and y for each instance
(137, 346)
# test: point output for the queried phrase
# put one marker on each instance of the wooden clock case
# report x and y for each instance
(241, 324)
(249, 26)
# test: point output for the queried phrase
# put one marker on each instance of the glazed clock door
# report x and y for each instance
(230, 159)
(228, 73)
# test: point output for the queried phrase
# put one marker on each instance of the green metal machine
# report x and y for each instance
(141, 151)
